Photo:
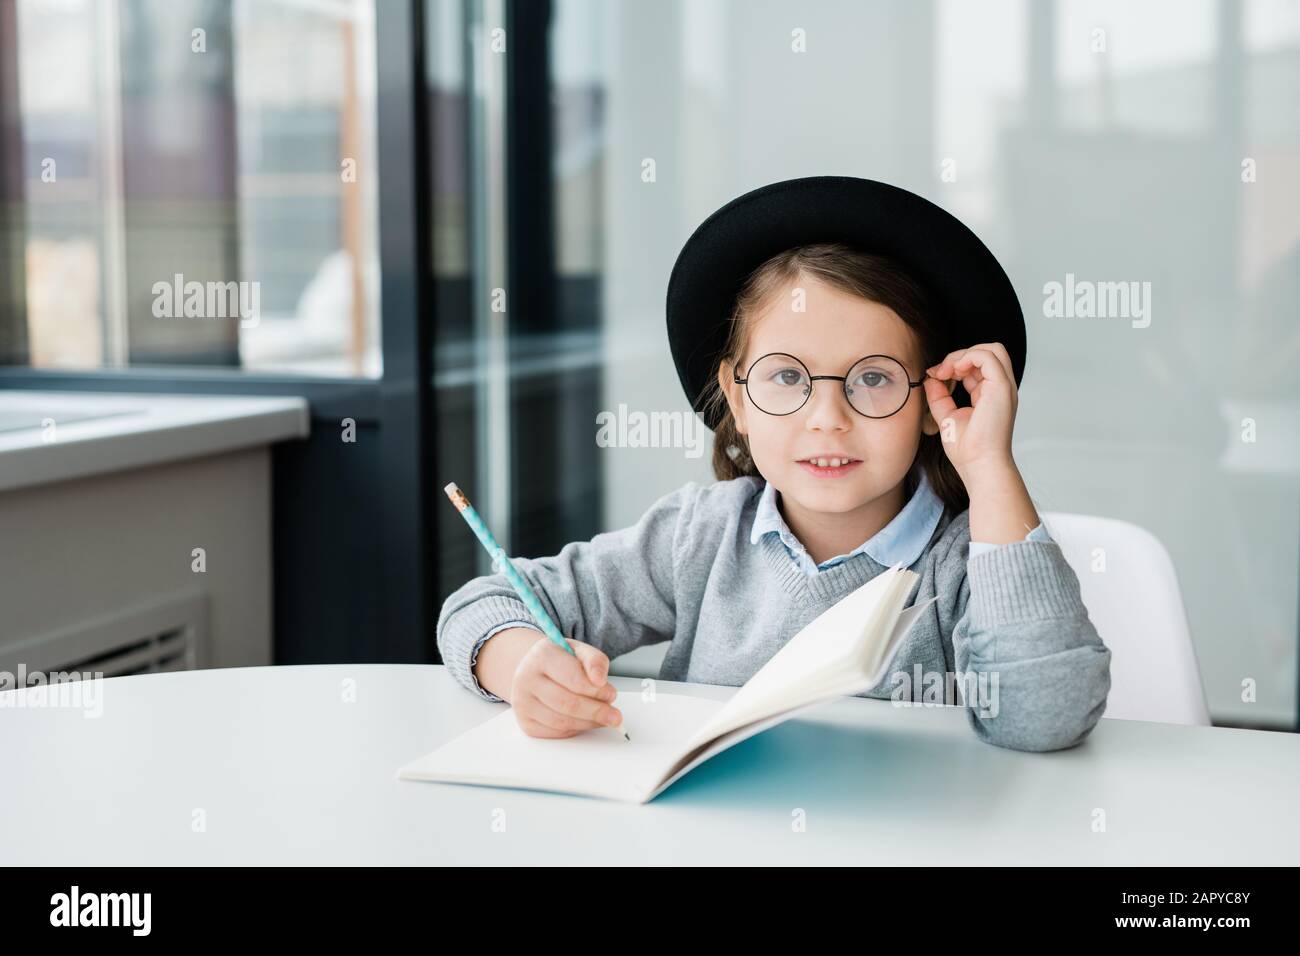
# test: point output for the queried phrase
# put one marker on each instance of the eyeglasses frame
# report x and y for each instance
(735, 374)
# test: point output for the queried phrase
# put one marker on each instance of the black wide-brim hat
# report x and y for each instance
(964, 283)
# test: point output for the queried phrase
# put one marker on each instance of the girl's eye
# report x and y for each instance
(872, 379)
(788, 376)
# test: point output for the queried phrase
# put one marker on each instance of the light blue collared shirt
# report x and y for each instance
(902, 540)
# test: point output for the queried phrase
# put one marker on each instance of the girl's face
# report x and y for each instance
(829, 336)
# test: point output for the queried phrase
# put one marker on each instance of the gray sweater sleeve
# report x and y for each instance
(615, 592)
(1025, 631)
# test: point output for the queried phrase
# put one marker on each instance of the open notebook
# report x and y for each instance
(844, 651)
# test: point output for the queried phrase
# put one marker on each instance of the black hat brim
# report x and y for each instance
(965, 283)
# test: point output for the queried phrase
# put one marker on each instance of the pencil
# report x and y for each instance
(512, 574)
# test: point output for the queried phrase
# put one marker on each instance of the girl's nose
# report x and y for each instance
(828, 407)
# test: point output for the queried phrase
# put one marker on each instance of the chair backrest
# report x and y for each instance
(1129, 586)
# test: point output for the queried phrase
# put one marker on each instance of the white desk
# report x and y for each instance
(286, 772)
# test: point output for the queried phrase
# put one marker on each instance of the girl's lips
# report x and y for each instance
(828, 472)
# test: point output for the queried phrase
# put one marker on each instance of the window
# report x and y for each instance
(200, 184)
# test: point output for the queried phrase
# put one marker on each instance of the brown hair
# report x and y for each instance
(874, 277)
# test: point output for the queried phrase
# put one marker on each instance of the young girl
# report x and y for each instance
(826, 369)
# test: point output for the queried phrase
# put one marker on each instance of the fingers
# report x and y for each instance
(997, 348)
(595, 662)
(564, 710)
(989, 366)
(991, 359)
(939, 395)
(584, 674)
(560, 694)
(533, 727)
(974, 367)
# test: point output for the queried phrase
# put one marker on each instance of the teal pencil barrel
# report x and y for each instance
(504, 564)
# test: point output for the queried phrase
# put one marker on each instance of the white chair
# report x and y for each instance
(1137, 608)
(642, 662)
(1135, 604)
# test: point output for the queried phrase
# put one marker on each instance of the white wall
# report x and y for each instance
(1114, 165)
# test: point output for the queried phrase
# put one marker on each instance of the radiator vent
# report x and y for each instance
(170, 651)
(167, 635)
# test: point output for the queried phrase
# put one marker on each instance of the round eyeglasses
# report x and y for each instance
(877, 386)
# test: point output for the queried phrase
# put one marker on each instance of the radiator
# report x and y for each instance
(170, 634)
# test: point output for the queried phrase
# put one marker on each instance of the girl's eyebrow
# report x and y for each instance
(810, 362)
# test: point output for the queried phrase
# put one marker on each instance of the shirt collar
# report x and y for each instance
(901, 541)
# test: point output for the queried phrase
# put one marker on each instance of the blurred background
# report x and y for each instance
(460, 218)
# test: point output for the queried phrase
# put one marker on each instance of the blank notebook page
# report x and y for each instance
(597, 762)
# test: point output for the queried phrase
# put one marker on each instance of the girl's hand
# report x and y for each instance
(977, 437)
(555, 694)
